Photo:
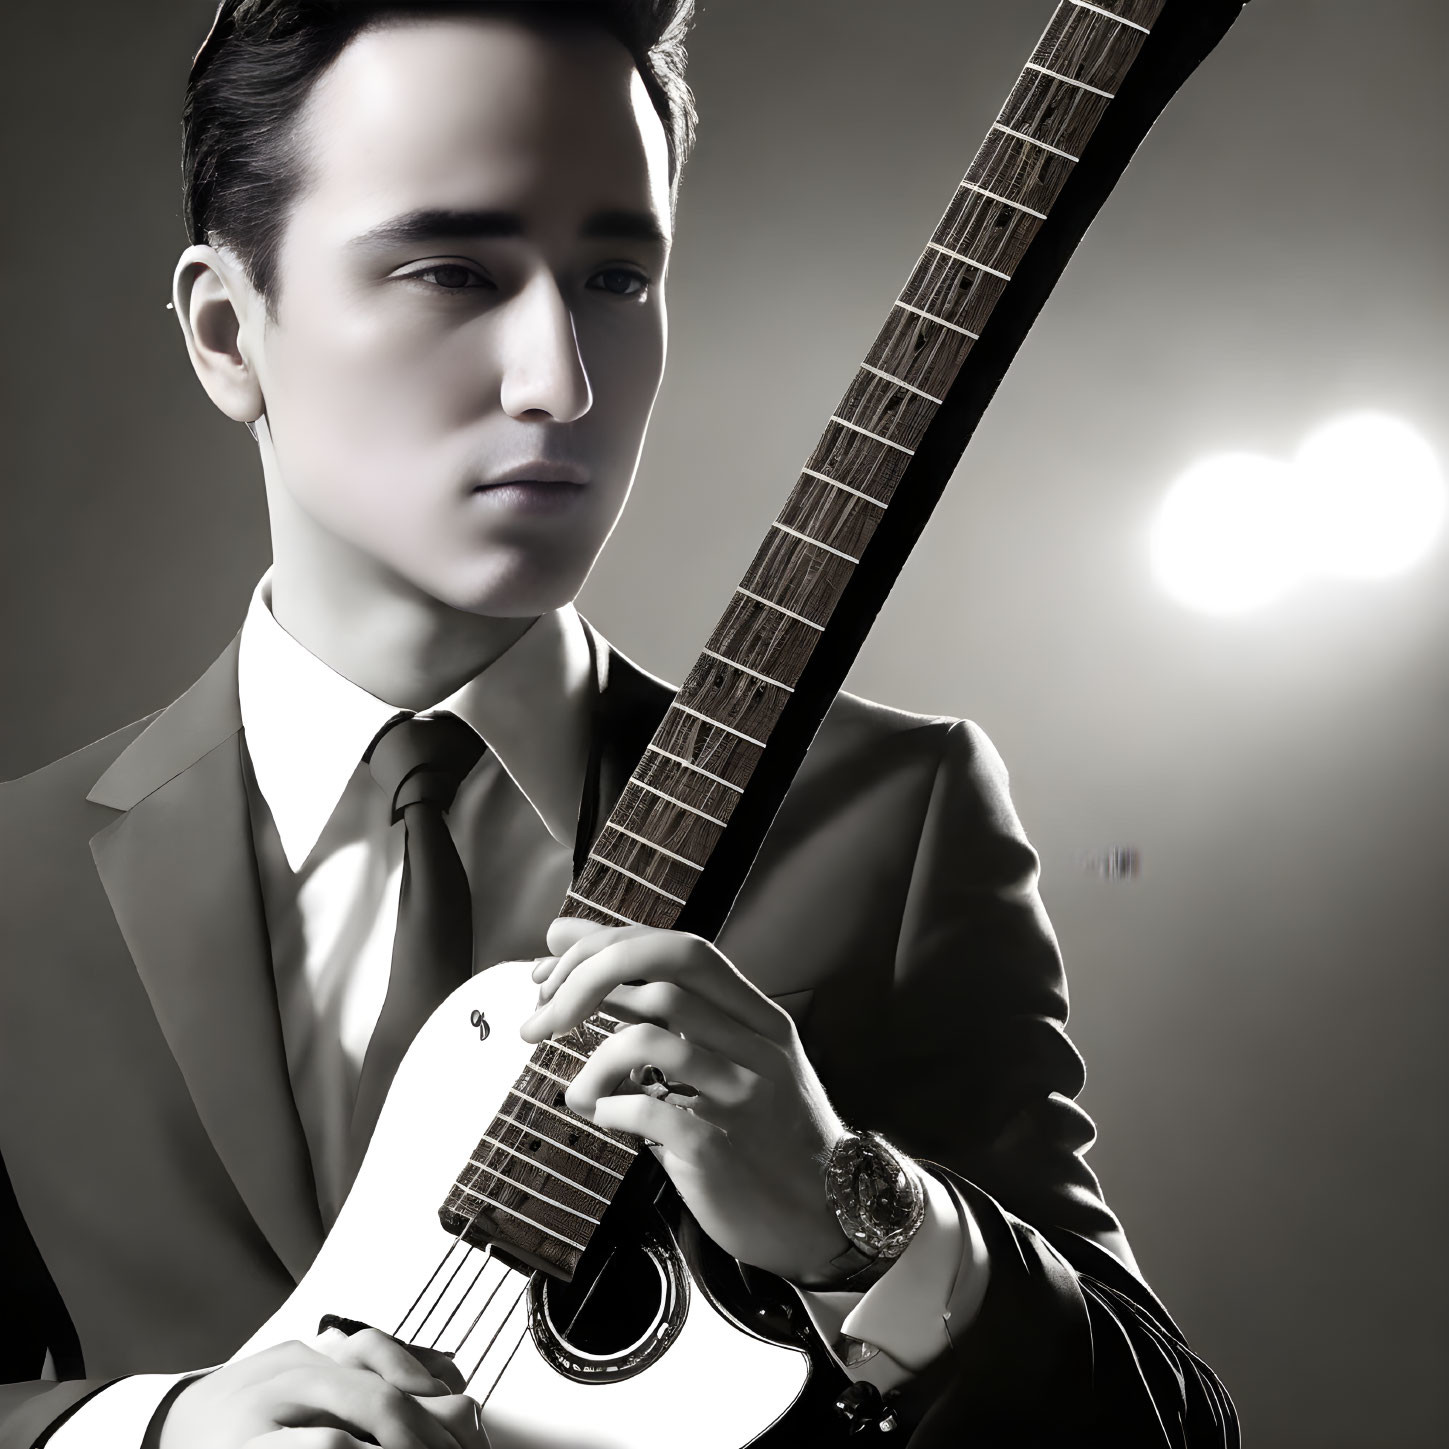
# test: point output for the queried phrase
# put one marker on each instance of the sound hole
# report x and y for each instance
(617, 1320)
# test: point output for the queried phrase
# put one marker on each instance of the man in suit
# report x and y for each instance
(428, 271)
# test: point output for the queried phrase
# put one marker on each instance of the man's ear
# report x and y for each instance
(220, 314)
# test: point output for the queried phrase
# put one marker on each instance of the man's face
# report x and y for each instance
(470, 306)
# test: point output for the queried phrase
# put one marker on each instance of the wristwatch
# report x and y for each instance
(878, 1199)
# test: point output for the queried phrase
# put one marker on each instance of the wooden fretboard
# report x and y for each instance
(541, 1177)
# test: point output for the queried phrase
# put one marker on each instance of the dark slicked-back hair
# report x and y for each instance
(241, 163)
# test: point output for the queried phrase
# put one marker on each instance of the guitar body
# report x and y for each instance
(660, 1357)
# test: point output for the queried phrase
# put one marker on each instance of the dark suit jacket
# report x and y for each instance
(157, 1201)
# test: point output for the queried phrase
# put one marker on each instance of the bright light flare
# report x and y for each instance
(1225, 540)
(1363, 498)
(1371, 496)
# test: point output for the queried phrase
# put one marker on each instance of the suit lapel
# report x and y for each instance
(180, 871)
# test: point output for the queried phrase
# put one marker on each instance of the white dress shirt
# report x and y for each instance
(330, 864)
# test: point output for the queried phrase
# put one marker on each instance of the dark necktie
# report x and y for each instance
(419, 764)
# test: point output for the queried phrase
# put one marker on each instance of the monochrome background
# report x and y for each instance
(1263, 1007)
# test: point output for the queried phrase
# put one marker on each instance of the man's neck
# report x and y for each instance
(384, 636)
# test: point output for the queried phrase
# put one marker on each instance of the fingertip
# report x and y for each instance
(567, 931)
(543, 966)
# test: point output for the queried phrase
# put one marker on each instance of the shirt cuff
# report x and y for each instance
(905, 1319)
(118, 1415)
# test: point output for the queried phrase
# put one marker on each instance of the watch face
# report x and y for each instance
(882, 1193)
(876, 1197)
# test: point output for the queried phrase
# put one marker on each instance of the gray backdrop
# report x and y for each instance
(1261, 1009)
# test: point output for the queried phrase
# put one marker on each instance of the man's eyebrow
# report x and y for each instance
(435, 223)
(642, 226)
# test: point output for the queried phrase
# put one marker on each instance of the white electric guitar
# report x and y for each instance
(551, 1258)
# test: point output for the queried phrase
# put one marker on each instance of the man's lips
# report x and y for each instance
(535, 487)
(535, 471)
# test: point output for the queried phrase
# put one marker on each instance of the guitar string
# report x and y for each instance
(487, 1303)
(513, 1352)
(459, 1237)
(436, 1303)
(488, 1347)
(487, 1258)
(598, 1278)
(443, 1263)
(519, 1344)
(443, 1291)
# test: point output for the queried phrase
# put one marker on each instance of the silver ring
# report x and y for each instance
(652, 1082)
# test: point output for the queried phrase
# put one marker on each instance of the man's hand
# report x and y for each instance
(339, 1392)
(747, 1155)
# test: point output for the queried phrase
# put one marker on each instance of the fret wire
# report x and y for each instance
(856, 427)
(647, 884)
(584, 900)
(780, 608)
(1032, 141)
(559, 1046)
(644, 840)
(901, 382)
(745, 669)
(703, 814)
(608, 1016)
(572, 1121)
(483, 1197)
(805, 537)
(1057, 75)
(961, 257)
(562, 1146)
(728, 729)
(845, 487)
(931, 316)
(544, 1072)
(1120, 19)
(541, 1196)
(1003, 200)
(534, 1162)
(698, 770)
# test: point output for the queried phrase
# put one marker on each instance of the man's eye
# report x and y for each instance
(451, 277)
(620, 281)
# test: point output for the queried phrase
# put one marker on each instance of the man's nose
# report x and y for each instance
(543, 370)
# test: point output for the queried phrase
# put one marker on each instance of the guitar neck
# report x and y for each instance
(677, 845)
(654, 848)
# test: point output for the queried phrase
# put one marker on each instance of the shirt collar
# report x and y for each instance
(307, 727)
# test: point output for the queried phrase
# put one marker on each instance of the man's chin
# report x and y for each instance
(516, 596)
